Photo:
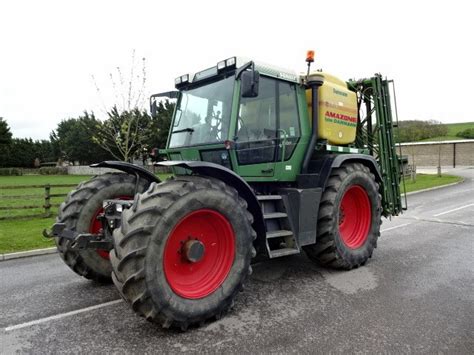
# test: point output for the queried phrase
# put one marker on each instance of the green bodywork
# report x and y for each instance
(377, 139)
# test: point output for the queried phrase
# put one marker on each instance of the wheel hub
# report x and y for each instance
(199, 253)
(354, 217)
(193, 250)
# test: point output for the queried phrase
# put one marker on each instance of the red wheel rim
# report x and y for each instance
(200, 278)
(355, 217)
(96, 226)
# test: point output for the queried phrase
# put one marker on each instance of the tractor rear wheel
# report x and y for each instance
(183, 251)
(79, 212)
(349, 218)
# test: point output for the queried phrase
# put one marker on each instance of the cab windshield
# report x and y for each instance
(203, 114)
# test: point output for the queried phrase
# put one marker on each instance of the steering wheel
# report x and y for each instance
(217, 127)
(243, 130)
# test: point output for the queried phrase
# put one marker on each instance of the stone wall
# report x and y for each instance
(450, 153)
(87, 170)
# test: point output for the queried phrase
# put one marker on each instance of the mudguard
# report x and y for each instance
(231, 178)
(323, 166)
(128, 168)
(367, 160)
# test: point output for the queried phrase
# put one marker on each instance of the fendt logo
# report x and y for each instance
(337, 92)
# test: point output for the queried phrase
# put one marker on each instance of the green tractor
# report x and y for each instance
(266, 163)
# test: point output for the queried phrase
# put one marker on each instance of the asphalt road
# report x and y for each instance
(416, 295)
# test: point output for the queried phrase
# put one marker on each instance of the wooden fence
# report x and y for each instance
(47, 200)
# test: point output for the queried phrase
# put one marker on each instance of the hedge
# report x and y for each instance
(10, 172)
(56, 170)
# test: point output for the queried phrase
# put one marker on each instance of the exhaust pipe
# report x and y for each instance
(314, 82)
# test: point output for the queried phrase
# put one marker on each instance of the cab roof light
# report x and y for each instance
(229, 63)
(221, 65)
(181, 80)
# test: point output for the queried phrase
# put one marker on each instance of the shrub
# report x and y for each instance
(56, 170)
(412, 131)
(10, 172)
(467, 133)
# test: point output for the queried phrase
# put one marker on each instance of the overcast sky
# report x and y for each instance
(50, 49)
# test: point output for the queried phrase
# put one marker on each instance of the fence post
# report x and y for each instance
(454, 155)
(47, 200)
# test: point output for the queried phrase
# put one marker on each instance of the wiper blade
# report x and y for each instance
(189, 129)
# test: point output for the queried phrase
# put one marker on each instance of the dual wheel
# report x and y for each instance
(183, 250)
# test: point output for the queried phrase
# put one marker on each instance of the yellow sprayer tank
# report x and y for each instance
(337, 110)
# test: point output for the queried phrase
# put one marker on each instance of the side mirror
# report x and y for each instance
(153, 109)
(250, 80)
(154, 98)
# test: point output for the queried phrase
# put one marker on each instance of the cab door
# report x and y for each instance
(256, 143)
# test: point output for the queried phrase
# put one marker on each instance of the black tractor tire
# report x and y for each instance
(78, 211)
(349, 247)
(144, 242)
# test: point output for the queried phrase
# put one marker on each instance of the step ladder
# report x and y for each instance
(280, 239)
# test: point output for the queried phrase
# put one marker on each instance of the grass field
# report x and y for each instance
(25, 234)
(18, 235)
(42, 179)
(425, 181)
(34, 196)
(453, 129)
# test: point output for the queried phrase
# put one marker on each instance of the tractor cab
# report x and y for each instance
(242, 115)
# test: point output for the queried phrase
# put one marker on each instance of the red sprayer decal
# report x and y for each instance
(341, 119)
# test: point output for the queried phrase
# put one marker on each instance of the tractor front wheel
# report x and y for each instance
(349, 218)
(80, 211)
(183, 251)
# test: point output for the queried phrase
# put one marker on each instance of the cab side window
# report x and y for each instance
(268, 125)
(256, 125)
(257, 115)
(289, 126)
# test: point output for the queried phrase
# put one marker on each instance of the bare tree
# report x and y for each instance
(124, 133)
(125, 129)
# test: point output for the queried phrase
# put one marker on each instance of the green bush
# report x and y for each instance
(56, 170)
(10, 172)
(467, 133)
(412, 131)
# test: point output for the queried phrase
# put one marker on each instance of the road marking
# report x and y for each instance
(437, 220)
(61, 315)
(456, 209)
(389, 229)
